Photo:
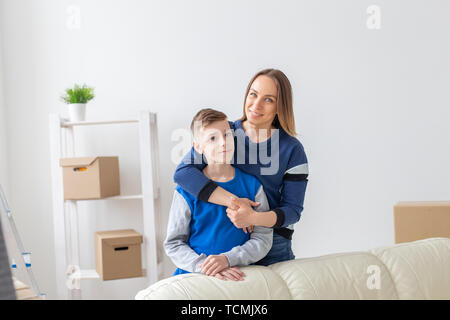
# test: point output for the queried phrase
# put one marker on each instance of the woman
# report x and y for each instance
(265, 131)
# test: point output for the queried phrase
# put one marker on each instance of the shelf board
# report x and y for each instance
(66, 124)
(129, 197)
(126, 197)
(86, 274)
(89, 274)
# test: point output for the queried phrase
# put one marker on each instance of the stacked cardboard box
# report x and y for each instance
(421, 220)
(90, 177)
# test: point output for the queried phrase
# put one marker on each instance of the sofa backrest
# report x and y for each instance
(419, 269)
(355, 275)
(414, 270)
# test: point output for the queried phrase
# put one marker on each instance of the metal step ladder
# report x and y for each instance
(25, 257)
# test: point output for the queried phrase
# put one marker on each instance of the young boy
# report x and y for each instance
(200, 236)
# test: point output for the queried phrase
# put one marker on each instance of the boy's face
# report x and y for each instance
(216, 142)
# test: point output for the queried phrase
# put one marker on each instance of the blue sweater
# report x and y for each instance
(280, 164)
(210, 230)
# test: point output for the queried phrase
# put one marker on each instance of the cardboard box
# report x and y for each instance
(421, 220)
(118, 254)
(90, 177)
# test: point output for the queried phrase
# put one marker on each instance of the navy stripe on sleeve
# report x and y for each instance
(284, 232)
(206, 191)
(280, 217)
(295, 177)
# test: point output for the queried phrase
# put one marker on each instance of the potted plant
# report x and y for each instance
(77, 98)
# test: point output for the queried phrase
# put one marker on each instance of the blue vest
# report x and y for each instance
(212, 232)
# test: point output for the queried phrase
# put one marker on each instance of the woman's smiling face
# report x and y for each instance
(261, 101)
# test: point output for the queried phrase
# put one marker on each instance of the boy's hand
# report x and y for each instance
(242, 216)
(214, 264)
(235, 203)
(249, 229)
(232, 273)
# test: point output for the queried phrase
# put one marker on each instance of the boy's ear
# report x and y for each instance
(197, 147)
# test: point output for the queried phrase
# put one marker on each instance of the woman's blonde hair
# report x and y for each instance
(285, 111)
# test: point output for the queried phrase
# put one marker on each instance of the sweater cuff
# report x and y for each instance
(206, 191)
(280, 218)
(232, 261)
(201, 259)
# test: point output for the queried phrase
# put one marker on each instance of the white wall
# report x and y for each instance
(3, 129)
(371, 105)
(3, 143)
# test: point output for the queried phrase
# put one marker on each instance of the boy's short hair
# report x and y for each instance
(205, 117)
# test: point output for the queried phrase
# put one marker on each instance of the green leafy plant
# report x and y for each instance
(78, 94)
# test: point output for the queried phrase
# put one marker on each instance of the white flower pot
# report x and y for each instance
(77, 112)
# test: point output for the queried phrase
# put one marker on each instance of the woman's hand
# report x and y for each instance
(214, 264)
(232, 273)
(241, 212)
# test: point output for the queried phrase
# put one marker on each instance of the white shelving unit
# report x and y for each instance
(65, 212)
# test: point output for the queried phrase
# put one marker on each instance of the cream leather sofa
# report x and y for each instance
(413, 270)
